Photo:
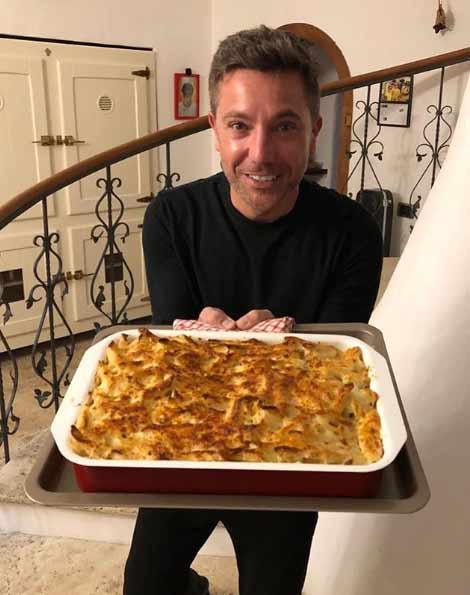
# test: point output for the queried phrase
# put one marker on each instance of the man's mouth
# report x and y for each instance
(262, 178)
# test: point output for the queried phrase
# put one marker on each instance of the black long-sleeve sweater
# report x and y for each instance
(319, 263)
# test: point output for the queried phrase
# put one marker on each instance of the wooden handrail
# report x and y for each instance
(378, 76)
(26, 199)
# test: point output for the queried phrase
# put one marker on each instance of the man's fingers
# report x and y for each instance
(253, 317)
(217, 317)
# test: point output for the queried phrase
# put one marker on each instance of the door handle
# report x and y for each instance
(71, 275)
(69, 141)
(46, 140)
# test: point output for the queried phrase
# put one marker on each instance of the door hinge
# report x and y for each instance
(145, 72)
(47, 140)
(146, 198)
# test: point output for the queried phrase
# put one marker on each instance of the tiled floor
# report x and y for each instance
(33, 565)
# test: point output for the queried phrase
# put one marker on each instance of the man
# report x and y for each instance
(253, 242)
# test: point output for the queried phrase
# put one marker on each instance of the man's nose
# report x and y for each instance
(261, 145)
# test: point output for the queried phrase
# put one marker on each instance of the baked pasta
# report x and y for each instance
(184, 398)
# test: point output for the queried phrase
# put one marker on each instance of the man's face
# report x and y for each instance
(265, 135)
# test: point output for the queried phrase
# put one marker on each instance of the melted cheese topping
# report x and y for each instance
(181, 398)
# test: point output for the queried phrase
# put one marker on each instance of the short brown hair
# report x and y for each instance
(266, 50)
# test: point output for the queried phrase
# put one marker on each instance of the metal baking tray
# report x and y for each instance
(231, 477)
(403, 487)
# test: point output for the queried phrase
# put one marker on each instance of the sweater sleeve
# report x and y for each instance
(169, 289)
(353, 285)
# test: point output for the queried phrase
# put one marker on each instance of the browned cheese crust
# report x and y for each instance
(182, 398)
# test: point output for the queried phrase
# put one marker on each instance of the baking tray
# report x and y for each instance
(403, 487)
(231, 477)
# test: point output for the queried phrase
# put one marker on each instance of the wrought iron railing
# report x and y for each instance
(48, 269)
(367, 152)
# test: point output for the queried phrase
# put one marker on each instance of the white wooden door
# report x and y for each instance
(102, 106)
(23, 120)
(89, 94)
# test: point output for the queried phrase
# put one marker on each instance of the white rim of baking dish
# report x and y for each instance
(393, 428)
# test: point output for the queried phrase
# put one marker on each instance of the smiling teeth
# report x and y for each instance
(262, 178)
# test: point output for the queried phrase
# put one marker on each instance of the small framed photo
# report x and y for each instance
(186, 96)
(395, 102)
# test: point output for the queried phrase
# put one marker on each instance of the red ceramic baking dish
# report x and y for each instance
(226, 477)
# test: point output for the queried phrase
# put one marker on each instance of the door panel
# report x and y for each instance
(23, 119)
(104, 105)
(86, 256)
(19, 253)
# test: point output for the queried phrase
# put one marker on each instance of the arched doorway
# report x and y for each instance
(336, 110)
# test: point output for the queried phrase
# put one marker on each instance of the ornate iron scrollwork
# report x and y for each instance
(364, 145)
(6, 406)
(110, 228)
(434, 149)
(168, 177)
(47, 286)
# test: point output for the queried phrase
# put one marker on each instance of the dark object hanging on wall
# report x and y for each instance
(440, 23)
(379, 203)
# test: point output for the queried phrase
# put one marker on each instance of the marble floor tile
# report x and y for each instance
(33, 565)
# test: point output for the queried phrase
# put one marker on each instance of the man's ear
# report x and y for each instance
(211, 118)
(317, 126)
(315, 131)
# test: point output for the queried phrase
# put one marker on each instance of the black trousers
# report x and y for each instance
(272, 549)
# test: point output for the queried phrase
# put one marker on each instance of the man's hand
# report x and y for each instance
(253, 317)
(217, 317)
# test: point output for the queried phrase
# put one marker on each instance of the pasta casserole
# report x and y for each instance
(186, 398)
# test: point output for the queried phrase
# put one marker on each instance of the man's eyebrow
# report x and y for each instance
(234, 114)
(287, 113)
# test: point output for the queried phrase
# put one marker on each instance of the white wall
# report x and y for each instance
(179, 31)
(374, 35)
(371, 34)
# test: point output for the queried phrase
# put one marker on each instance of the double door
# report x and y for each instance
(60, 104)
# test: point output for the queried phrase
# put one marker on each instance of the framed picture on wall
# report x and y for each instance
(186, 95)
(395, 102)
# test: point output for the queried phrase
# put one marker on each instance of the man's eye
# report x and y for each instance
(286, 126)
(237, 125)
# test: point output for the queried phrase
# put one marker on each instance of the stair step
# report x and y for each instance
(35, 565)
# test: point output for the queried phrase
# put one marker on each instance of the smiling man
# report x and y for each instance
(265, 134)
(252, 242)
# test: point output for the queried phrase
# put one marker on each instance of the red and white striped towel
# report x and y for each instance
(272, 325)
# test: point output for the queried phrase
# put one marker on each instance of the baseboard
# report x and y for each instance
(91, 526)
